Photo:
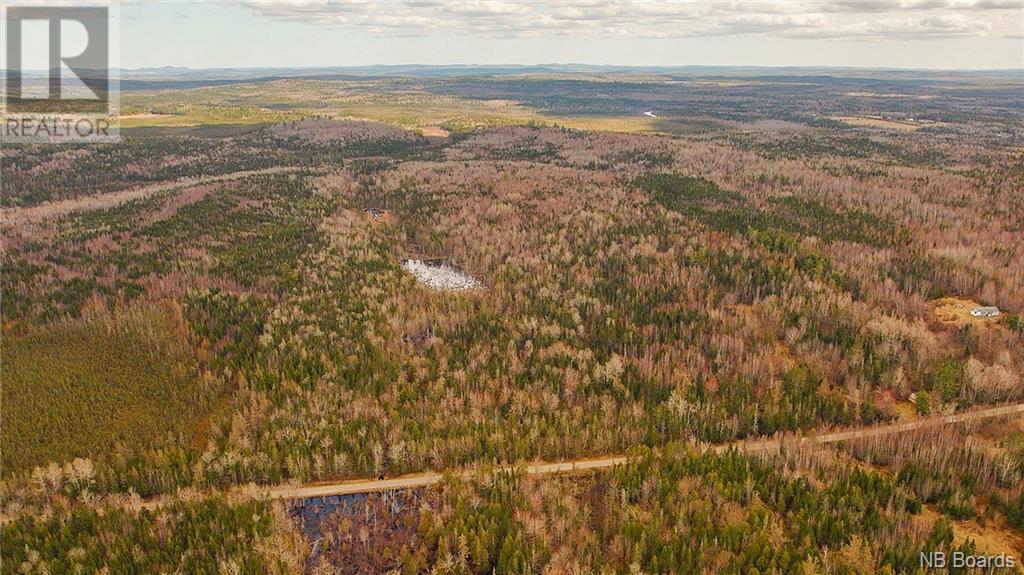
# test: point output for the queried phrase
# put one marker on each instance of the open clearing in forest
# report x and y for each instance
(957, 311)
(440, 275)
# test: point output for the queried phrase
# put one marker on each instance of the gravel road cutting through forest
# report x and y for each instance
(417, 480)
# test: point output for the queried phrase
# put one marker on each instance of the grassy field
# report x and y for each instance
(181, 115)
(629, 124)
(76, 389)
(283, 101)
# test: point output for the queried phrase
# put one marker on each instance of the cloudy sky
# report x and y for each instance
(915, 34)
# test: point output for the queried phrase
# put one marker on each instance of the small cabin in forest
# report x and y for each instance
(985, 311)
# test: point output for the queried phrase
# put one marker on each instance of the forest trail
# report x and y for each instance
(416, 480)
(13, 217)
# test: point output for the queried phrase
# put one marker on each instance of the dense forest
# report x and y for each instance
(185, 315)
(674, 511)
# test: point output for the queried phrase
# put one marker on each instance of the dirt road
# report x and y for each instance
(13, 217)
(875, 431)
(425, 479)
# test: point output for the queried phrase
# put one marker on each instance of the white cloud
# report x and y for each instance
(839, 19)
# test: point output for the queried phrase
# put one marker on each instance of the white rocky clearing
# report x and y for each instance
(440, 276)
